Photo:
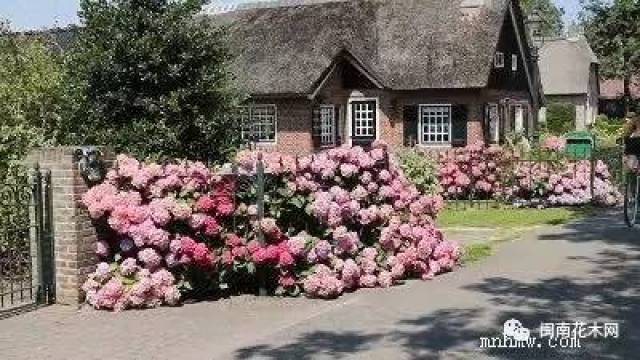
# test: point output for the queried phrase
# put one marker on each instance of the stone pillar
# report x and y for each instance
(74, 235)
(475, 130)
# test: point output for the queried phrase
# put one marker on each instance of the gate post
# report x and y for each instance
(71, 229)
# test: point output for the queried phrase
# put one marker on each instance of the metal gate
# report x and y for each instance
(26, 241)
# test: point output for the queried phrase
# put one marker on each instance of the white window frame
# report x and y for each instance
(328, 131)
(248, 117)
(518, 118)
(498, 60)
(421, 126)
(366, 125)
(514, 62)
(244, 119)
(356, 98)
(494, 126)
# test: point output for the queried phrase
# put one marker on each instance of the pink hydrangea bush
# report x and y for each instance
(492, 172)
(130, 285)
(554, 143)
(564, 183)
(473, 171)
(163, 217)
(353, 200)
(336, 221)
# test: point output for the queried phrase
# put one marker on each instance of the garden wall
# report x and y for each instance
(74, 235)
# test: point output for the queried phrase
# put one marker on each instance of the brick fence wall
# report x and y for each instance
(73, 232)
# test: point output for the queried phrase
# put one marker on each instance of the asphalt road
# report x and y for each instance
(587, 271)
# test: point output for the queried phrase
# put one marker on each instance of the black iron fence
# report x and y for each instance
(26, 243)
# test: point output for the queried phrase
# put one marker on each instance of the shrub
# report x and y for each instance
(31, 100)
(550, 178)
(563, 182)
(474, 171)
(420, 168)
(607, 131)
(561, 118)
(554, 143)
(157, 218)
(336, 221)
(149, 78)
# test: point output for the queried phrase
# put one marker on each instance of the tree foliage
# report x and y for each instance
(31, 95)
(613, 30)
(552, 24)
(149, 78)
(561, 118)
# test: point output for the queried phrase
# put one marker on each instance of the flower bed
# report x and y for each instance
(334, 222)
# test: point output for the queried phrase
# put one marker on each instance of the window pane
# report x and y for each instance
(364, 119)
(436, 124)
(263, 123)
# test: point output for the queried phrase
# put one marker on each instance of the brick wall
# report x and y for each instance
(293, 127)
(475, 129)
(73, 232)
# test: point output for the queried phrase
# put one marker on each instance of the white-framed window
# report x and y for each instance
(242, 117)
(434, 127)
(519, 118)
(498, 60)
(364, 121)
(514, 62)
(258, 123)
(493, 116)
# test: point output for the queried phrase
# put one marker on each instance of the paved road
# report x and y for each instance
(588, 271)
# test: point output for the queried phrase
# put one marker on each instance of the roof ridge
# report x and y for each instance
(264, 4)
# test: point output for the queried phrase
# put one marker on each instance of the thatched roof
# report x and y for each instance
(407, 44)
(58, 39)
(565, 66)
(613, 89)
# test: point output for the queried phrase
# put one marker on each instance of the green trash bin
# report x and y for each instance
(580, 144)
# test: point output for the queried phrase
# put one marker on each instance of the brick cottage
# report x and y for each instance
(430, 73)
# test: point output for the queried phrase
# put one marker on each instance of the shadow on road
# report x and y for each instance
(607, 292)
(335, 344)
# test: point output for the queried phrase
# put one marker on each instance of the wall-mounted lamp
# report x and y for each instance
(90, 164)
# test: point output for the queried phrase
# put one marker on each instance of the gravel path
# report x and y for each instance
(585, 271)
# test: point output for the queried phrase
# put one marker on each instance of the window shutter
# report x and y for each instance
(459, 125)
(486, 122)
(410, 124)
(316, 127)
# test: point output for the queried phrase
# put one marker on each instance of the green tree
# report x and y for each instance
(551, 16)
(613, 30)
(561, 118)
(31, 94)
(150, 78)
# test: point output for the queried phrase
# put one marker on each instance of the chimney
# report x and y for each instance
(534, 26)
(471, 8)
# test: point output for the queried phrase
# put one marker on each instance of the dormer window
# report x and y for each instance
(498, 61)
(514, 62)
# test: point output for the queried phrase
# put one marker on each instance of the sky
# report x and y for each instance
(41, 14)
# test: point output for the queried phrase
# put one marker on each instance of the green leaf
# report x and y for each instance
(128, 281)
